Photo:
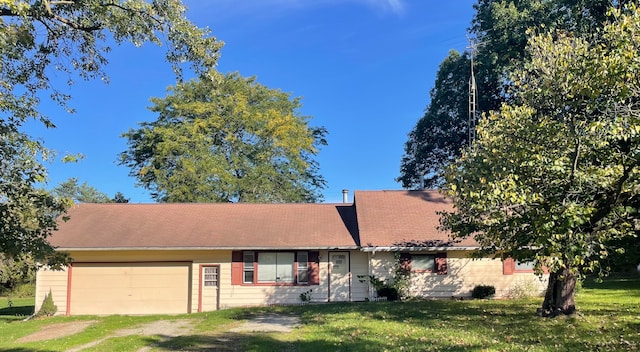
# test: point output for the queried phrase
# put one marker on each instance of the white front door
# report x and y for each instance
(209, 288)
(339, 277)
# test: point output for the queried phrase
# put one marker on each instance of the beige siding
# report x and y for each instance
(463, 274)
(54, 281)
(229, 295)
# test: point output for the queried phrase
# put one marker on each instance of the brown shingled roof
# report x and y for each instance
(377, 218)
(93, 226)
(401, 218)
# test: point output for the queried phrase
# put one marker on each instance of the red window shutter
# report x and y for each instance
(441, 263)
(405, 261)
(237, 261)
(508, 266)
(314, 268)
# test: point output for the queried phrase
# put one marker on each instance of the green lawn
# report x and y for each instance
(608, 320)
(15, 308)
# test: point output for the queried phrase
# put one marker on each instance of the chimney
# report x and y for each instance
(345, 196)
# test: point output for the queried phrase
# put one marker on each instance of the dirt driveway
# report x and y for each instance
(169, 329)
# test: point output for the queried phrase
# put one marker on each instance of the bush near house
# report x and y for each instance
(48, 308)
(483, 291)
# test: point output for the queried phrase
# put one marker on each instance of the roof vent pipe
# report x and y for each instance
(345, 196)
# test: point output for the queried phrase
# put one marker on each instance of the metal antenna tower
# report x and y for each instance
(473, 94)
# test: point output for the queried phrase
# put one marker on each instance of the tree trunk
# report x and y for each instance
(559, 298)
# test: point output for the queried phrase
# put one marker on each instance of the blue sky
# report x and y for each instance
(363, 69)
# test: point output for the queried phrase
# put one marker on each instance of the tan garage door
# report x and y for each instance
(129, 288)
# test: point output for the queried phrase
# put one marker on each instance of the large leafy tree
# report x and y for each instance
(554, 176)
(27, 213)
(80, 192)
(499, 28)
(435, 140)
(69, 39)
(230, 139)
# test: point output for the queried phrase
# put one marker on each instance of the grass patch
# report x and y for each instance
(608, 319)
(15, 308)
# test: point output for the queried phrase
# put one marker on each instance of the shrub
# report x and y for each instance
(386, 288)
(390, 292)
(306, 296)
(23, 291)
(483, 291)
(48, 309)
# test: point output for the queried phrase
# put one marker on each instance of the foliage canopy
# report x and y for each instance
(40, 39)
(435, 140)
(500, 30)
(80, 193)
(554, 176)
(230, 139)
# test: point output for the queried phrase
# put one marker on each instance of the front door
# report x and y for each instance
(209, 288)
(339, 277)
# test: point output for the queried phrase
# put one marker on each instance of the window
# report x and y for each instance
(275, 267)
(249, 269)
(423, 262)
(303, 267)
(525, 266)
(210, 276)
(511, 266)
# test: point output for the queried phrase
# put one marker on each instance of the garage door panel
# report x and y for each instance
(130, 288)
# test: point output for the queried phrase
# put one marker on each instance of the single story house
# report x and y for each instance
(182, 258)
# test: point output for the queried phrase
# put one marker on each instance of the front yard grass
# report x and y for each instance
(15, 308)
(608, 319)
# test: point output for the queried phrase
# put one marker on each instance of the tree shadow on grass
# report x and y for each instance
(9, 314)
(630, 284)
(232, 342)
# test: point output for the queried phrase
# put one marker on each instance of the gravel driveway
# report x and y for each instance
(167, 329)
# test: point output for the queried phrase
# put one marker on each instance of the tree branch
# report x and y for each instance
(7, 12)
(68, 22)
(139, 12)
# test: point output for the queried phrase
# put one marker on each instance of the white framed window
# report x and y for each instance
(210, 276)
(423, 262)
(249, 267)
(303, 267)
(276, 267)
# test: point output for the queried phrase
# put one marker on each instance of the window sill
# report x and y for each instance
(273, 284)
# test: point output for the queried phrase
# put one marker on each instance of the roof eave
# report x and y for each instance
(200, 248)
(418, 249)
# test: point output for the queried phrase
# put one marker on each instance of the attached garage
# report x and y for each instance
(129, 288)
